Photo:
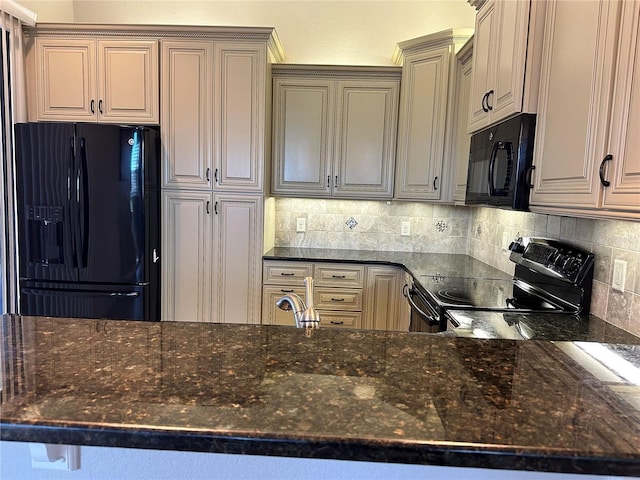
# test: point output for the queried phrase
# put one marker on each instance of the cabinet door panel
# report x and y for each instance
(186, 266)
(239, 114)
(128, 81)
(66, 79)
(303, 122)
(624, 141)
(366, 139)
(483, 49)
(570, 131)
(187, 114)
(272, 314)
(422, 125)
(237, 258)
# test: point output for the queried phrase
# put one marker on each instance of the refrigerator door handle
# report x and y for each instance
(124, 294)
(71, 201)
(82, 199)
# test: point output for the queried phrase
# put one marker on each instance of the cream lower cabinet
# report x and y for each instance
(187, 238)
(586, 161)
(334, 131)
(212, 248)
(385, 308)
(237, 255)
(87, 80)
(423, 164)
(345, 295)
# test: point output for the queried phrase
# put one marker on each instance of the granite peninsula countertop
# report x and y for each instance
(340, 394)
(417, 264)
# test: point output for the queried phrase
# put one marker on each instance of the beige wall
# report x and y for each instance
(322, 32)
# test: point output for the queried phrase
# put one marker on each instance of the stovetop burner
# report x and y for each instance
(453, 295)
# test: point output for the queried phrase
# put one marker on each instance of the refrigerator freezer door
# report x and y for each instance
(45, 164)
(78, 301)
(111, 208)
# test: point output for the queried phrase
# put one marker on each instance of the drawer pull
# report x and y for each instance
(338, 276)
(287, 274)
(286, 291)
(333, 322)
(337, 299)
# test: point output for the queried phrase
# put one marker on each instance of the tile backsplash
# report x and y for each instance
(482, 233)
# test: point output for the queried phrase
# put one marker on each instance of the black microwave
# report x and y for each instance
(500, 164)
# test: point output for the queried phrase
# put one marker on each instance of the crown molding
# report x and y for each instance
(341, 71)
(455, 37)
(98, 30)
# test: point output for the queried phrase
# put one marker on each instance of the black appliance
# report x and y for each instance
(500, 164)
(88, 220)
(550, 276)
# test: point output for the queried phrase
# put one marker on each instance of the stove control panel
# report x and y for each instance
(552, 257)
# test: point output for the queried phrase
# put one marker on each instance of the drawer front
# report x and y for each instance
(329, 319)
(339, 275)
(287, 273)
(273, 315)
(349, 299)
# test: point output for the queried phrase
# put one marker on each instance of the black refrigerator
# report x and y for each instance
(88, 210)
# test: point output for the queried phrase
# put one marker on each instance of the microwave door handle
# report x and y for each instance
(493, 191)
(492, 164)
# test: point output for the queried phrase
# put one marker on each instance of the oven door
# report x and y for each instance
(424, 318)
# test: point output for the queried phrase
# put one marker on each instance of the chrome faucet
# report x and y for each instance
(305, 315)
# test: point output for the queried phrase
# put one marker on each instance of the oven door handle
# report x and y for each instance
(407, 292)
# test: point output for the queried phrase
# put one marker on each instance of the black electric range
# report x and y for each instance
(550, 276)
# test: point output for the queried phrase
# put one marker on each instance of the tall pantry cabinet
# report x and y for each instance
(214, 116)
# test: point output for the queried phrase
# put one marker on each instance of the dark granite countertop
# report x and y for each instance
(340, 394)
(538, 326)
(417, 264)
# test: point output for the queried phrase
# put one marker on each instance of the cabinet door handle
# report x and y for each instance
(489, 107)
(215, 175)
(435, 181)
(328, 181)
(337, 299)
(100, 106)
(284, 290)
(93, 105)
(207, 174)
(484, 100)
(608, 158)
(335, 185)
(208, 203)
(215, 208)
(333, 322)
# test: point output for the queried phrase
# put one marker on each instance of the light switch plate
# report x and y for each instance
(301, 224)
(619, 275)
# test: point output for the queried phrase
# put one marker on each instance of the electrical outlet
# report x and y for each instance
(405, 229)
(619, 275)
(301, 225)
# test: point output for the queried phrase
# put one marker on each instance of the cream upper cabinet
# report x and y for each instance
(105, 80)
(506, 60)
(237, 258)
(334, 131)
(586, 161)
(187, 113)
(460, 139)
(239, 115)
(427, 63)
(214, 114)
